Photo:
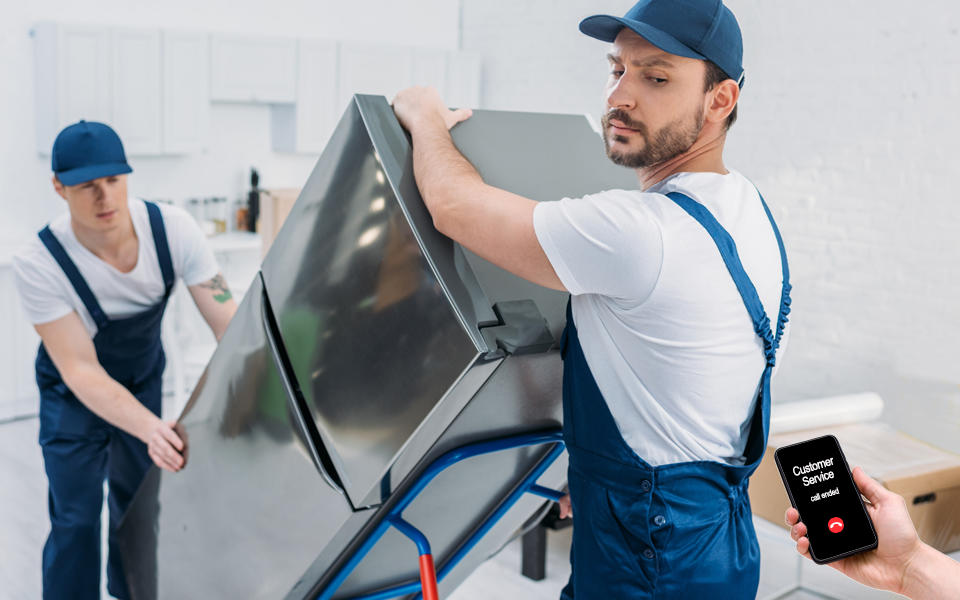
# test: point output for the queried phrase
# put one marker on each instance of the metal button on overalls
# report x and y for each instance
(80, 449)
(622, 505)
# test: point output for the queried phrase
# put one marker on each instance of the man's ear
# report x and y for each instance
(59, 187)
(721, 101)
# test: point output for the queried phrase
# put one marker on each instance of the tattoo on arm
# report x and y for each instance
(218, 285)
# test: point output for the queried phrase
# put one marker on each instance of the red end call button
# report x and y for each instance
(835, 525)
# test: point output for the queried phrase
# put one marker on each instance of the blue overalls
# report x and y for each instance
(681, 530)
(80, 449)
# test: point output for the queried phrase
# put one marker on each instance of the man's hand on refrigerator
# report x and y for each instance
(165, 447)
(418, 107)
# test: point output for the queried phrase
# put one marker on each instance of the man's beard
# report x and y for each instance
(671, 140)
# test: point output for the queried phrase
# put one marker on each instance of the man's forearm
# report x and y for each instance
(110, 401)
(931, 575)
(494, 223)
(215, 302)
(445, 177)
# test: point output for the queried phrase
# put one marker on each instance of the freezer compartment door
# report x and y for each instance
(372, 339)
(250, 511)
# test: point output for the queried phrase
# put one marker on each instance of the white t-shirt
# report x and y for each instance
(46, 294)
(663, 328)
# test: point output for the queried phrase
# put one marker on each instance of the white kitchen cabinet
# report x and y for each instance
(463, 80)
(72, 78)
(385, 70)
(152, 87)
(18, 349)
(455, 74)
(155, 88)
(430, 68)
(306, 126)
(186, 91)
(137, 96)
(253, 69)
(373, 69)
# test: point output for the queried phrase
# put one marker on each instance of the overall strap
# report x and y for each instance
(73, 274)
(728, 251)
(785, 291)
(160, 241)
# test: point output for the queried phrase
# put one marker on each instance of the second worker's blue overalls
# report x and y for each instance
(681, 530)
(80, 449)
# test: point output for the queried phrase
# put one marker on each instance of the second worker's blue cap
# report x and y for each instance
(87, 150)
(704, 29)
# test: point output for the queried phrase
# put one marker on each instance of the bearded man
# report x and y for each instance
(668, 350)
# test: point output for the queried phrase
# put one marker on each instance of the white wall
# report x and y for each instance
(848, 123)
(239, 133)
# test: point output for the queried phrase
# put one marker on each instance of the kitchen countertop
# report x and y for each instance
(225, 242)
(234, 241)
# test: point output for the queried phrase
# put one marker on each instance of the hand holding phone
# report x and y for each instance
(899, 547)
(821, 488)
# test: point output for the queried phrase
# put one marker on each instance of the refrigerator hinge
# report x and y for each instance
(521, 330)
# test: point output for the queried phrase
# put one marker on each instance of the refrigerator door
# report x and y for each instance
(250, 511)
(373, 341)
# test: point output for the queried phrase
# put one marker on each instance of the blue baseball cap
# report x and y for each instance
(704, 29)
(87, 150)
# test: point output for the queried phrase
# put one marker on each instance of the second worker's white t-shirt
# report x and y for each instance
(46, 294)
(663, 328)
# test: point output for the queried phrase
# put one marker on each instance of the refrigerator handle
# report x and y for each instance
(294, 399)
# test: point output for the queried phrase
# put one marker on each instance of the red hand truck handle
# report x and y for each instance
(428, 578)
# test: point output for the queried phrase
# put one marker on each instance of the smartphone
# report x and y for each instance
(822, 490)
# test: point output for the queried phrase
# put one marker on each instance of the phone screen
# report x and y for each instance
(822, 490)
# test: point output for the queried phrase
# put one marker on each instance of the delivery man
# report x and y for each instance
(668, 349)
(95, 283)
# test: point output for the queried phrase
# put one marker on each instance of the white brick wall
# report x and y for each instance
(849, 126)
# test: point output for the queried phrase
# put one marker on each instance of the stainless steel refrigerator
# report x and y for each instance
(368, 345)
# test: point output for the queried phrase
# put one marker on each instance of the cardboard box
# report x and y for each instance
(275, 205)
(927, 477)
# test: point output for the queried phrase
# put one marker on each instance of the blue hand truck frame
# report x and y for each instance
(427, 586)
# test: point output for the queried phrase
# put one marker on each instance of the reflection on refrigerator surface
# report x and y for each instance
(369, 332)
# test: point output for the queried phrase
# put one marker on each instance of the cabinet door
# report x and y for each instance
(84, 74)
(18, 348)
(8, 345)
(71, 78)
(463, 80)
(317, 109)
(136, 90)
(27, 341)
(251, 69)
(371, 69)
(430, 68)
(186, 91)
